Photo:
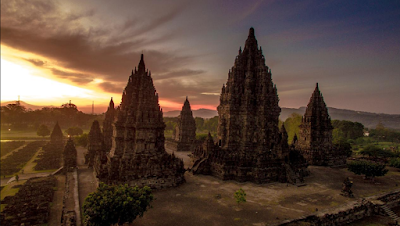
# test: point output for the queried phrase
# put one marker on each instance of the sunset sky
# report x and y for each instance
(84, 51)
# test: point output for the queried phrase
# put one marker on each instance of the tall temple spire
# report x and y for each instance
(251, 33)
(134, 138)
(315, 134)
(250, 145)
(111, 105)
(251, 42)
(56, 135)
(141, 67)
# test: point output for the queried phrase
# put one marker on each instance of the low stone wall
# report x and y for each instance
(348, 213)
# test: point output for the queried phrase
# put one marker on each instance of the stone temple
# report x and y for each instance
(185, 131)
(315, 134)
(57, 136)
(250, 145)
(137, 155)
(95, 144)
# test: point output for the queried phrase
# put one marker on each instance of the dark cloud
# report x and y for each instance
(36, 62)
(180, 73)
(72, 76)
(177, 89)
(112, 87)
(50, 33)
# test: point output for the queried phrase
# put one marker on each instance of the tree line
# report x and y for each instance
(17, 117)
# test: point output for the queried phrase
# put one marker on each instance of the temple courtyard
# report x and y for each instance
(205, 200)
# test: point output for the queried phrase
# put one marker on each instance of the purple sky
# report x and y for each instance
(351, 48)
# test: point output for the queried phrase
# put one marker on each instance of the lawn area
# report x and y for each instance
(20, 135)
(8, 190)
(382, 144)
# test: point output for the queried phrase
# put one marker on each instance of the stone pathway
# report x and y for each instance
(28, 168)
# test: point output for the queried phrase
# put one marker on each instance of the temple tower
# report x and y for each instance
(69, 155)
(137, 155)
(108, 126)
(315, 134)
(185, 131)
(56, 136)
(95, 143)
(250, 145)
(248, 111)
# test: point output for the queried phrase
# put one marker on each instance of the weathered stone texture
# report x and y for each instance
(137, 155)
(315, 134)
(250, 145)
(185, 134)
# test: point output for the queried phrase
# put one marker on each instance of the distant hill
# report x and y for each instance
(369, 120)
(202, 113)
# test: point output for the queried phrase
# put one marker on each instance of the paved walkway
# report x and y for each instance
(27, 176)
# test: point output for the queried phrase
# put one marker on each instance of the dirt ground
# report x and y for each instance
(196, 201)
(205, 200)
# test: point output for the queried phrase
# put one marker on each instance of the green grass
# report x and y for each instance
(2, 206)
(9, 191)
(357, 148)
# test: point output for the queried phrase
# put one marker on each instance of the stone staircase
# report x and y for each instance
(390, 213)
(196, 165)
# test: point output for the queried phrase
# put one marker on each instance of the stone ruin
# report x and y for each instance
(250, 146)
(70, 155)
(31, 204)
(315, 134)
(57, 136)
(95, 144)
(185, 131)
(137, 154)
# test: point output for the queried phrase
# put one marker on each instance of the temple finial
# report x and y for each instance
(141, 67)
(251, 32)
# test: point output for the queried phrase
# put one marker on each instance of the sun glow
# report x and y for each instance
(19, 81)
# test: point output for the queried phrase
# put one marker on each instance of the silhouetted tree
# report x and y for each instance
(74, 131)
(43, 131)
